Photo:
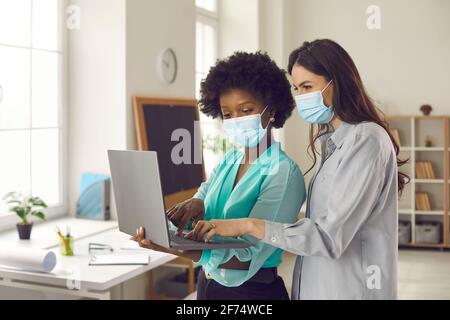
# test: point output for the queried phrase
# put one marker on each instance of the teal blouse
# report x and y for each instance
(271, 189)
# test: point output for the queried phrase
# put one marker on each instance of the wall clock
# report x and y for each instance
(167, 66)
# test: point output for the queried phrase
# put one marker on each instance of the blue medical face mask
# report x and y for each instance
(312, 108)
(245, 131)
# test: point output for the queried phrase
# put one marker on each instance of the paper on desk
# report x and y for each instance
(132, 245)
(29, 259)
(119, 259)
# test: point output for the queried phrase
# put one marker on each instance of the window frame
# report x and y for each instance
(205, 12)
(9, 219)
(211, 19)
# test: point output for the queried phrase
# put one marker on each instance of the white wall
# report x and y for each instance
(151, 27)
(96, 90)
(254, 25)
(276, 29)
(403, 65)
(275, 37)
(238, 26)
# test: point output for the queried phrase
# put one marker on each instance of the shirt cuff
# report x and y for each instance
(273, 233)
(204, 259)
(199, 195)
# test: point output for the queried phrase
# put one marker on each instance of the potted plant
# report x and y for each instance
(24, 206)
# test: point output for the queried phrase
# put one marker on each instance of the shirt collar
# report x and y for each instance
(339, 134)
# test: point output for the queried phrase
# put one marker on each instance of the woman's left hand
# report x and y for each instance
(205, 230)
(147, 244)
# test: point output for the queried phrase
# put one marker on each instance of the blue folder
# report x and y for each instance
(94, 200)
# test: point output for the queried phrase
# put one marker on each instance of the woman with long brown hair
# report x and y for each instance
(347, 243)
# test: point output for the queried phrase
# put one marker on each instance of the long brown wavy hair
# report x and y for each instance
(351, 102)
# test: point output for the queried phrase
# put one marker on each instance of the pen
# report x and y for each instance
(59, 232)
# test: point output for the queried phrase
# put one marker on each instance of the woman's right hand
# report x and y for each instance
(182, 213)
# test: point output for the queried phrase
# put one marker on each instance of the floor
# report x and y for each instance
(422, 274)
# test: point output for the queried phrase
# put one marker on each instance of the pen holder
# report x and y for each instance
(66, 246)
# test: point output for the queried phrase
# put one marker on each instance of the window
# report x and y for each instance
(208, 5)
(206, 56)
(32, 101)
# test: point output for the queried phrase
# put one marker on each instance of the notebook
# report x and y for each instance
(119, 260)
(133, 246)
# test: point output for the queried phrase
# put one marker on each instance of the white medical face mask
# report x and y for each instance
(245, 131)
(311, 107)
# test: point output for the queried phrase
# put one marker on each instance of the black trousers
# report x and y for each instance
(208, 289)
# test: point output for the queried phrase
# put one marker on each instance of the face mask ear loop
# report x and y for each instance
(261, 118)
(264, 110)
(329, 83)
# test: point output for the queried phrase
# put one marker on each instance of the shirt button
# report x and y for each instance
(273, 239)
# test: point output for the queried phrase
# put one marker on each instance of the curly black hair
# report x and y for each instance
(256, 73)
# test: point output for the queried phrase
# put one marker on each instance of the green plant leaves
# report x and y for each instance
(24, 207)
(38, 214)
(21, 212)
(37, 202)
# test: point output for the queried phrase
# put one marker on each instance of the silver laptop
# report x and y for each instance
(139, 202)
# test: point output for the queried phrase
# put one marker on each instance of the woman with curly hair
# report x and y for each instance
(252, 96)
(347, 243)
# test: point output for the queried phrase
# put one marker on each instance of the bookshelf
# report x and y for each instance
(425, 141)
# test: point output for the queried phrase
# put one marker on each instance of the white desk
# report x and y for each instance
(72, 275)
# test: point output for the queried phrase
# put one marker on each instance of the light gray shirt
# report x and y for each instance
(347, 243)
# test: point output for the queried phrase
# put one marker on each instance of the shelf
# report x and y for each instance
(428, 180)
(422, 245)
(429, 213)
(414, 132)
(422, 148)
(429, 149)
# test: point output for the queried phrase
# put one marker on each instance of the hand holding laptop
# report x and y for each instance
(147, 244)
